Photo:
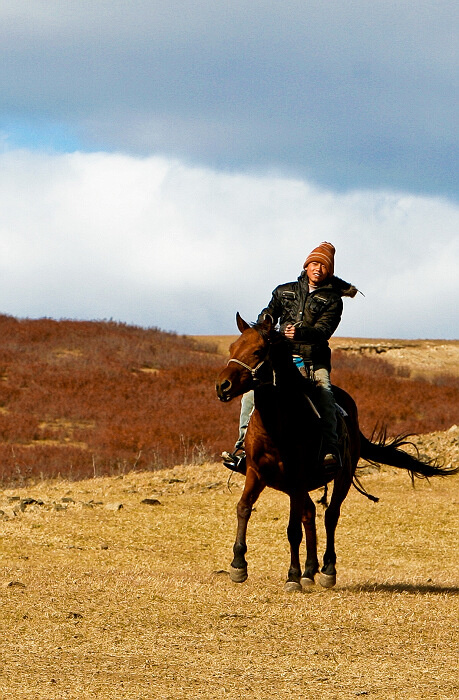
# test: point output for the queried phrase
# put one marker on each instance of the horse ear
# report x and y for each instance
(241, 324)
(268, 322)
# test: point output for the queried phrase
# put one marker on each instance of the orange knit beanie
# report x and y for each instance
(325, 254)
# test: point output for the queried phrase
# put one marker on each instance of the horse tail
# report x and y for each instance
(383, 450)
(357, 484)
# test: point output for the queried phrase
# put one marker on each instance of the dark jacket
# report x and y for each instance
(315, 314)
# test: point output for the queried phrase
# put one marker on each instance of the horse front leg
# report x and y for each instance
(309, 524)
(295, 535)
(252, 489)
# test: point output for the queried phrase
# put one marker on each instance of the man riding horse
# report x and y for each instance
(308, 311)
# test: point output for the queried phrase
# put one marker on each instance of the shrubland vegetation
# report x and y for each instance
(389, 396)
(84, 398)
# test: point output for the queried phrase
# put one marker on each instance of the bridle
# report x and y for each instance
(253, 370)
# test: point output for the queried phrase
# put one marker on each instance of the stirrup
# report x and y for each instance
(234, 460)
(331, 462)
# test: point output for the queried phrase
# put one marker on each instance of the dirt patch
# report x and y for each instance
(65, 352)
(422, 358)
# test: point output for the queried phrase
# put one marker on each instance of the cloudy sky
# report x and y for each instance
(167, 163)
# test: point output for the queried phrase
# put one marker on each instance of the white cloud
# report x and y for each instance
(155, 242)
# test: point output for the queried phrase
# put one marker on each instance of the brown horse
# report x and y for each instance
(283, 444)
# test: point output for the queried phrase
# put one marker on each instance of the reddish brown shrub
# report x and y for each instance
(384, 396)
(79, 398)
(111, 396)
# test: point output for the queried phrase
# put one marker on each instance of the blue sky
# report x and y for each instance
(340, 120)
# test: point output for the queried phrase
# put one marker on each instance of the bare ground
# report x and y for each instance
(103, 601)
(420, 357)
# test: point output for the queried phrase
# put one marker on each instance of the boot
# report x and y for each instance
(235, 460)
(331, 461)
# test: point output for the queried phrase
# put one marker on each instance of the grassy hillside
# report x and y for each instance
(82, 398)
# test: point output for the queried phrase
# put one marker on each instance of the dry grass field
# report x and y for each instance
(422, 358)
(103, 596)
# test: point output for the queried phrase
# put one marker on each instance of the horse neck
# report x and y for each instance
(286, 374)
(284, 405)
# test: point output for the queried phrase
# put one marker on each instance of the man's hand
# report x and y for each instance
(289, 331)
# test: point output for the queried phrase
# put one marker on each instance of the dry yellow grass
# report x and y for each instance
(422, 357)
(99, 601)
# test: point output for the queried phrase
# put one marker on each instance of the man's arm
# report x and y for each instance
(322, 329)
(273, 309)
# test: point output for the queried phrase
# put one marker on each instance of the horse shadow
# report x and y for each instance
(400, 587)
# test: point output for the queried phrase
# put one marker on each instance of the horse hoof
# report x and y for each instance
(238, 575)
(292, 587)
(307, 582)
(327, 580)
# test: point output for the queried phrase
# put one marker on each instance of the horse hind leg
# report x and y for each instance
(342, 483)
(327, 577)
(312, 562)
(295, 535)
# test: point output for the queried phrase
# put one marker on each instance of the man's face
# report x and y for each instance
(316, 272)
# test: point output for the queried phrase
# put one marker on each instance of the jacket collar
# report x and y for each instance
(334, 284)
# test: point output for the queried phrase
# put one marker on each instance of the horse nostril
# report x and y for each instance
(225, 385)
(223, 389)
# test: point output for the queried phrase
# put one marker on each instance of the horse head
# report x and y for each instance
(247, 364)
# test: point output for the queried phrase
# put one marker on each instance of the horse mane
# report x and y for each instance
(271, 335)
(282, 345)
(267, 333)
